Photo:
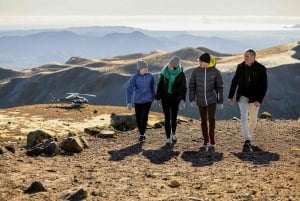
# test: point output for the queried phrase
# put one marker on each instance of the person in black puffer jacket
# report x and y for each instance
(206, 92)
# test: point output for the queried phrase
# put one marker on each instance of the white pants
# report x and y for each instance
(248, 110)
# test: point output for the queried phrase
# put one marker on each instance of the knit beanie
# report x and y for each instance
(141, 64)
(174, 61)
(205, 58)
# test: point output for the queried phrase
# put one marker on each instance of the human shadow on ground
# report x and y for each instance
(118, 155)
(257, 156)
(160, 156)
(202, 157)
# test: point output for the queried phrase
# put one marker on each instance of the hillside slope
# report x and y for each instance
(108, 79)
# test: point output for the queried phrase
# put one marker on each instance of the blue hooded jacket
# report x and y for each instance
(142, 86)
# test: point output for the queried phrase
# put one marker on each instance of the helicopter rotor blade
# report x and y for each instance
(92, 95)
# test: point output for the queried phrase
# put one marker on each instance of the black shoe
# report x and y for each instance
(142, 138)
(247, 146)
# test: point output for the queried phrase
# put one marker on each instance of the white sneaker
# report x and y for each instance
(168, 141)
(174, 138)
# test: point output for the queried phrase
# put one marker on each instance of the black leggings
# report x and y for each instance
(170, 111)
(141, 113)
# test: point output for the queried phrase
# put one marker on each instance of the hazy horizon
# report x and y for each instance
(154, 15)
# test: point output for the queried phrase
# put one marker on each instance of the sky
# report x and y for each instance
(152, 15)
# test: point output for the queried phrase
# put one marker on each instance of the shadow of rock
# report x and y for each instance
(257, 156)
(119, 155)
(201, 159)
(165, 153)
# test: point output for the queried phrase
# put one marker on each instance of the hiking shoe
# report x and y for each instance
(211, 148)
(247, 146)
(203, 147)
(174, 138)
(168, 142)
(142, 138)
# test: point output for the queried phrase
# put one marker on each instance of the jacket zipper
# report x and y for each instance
(205, 86)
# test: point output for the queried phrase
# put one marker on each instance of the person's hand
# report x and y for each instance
(158, 103)
(256, 104)
(193, 104)
(231, 101)
(129, 106)
(181, 105)
(220, 106)
(154, 102)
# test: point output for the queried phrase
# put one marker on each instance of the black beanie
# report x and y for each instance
(205, 58)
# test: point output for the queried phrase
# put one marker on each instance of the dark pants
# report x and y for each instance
(141, 113)
(208, 113)
(170, 111)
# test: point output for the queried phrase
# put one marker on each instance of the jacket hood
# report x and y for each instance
(212, 62)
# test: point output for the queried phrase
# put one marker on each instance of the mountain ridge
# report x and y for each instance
(108, 79)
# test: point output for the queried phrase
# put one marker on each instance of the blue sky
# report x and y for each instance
(155, 14)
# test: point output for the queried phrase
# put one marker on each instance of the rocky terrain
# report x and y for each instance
(119, 168)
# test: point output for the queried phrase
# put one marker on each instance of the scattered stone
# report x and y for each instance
(1, 150)
(36, 137)
(123, 122)
(84, 142)
(174, 184)
(72, 144)
(49, 148)
(10, 148)
(35, 187)
(92, 130)
(106, 134)
(265, 115)
(77, 195)
(158, 125)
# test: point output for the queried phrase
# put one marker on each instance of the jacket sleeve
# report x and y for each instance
(130, 89)
(152, 87)
(159, 87)
(234, 83)
(192, 87)
(263, 85)
(183, 87)
(219, 87)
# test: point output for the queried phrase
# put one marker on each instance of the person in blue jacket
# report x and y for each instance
(141, 87)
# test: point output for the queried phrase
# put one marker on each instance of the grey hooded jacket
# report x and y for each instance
(206, 86)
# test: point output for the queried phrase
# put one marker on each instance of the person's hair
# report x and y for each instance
(251, 51)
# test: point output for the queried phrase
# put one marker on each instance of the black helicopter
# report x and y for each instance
(76, 99)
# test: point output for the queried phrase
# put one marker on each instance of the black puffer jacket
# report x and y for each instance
(206, 86)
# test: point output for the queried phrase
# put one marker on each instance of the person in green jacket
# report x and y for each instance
(171, 90)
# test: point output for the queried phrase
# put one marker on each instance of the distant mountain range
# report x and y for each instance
(21, 49)
(108, 78)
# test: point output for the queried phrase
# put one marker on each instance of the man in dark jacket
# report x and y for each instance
(251, 82)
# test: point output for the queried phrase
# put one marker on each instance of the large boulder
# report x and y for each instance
(73, 144)
(123, 122)
(36, 137)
